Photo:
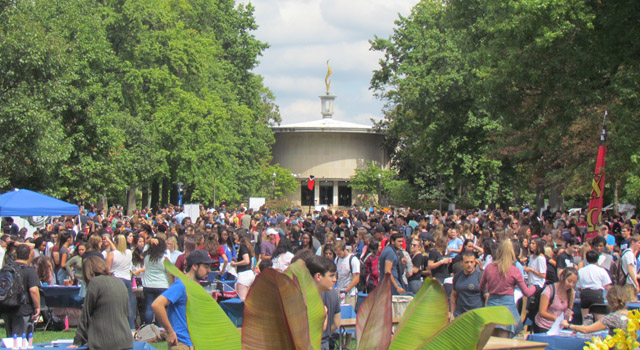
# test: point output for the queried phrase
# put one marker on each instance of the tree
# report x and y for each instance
(502, 100)
(373, 182)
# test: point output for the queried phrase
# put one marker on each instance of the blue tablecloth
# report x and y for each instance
(47, 346)
(633, 306)
(234, 308)
(569, 342)
(62, 296)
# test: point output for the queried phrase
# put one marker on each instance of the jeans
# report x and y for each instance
(150, 294)
(61, 275)
(132, 304)
(414, 286)
(15, 324)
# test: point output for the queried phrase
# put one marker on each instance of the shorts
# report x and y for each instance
(246, 278)
(589, 297)
(181, 346)
(351, 300)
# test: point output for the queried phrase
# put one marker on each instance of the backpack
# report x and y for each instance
(12, 291)
(362, 283)
(619, 278)
(534, 305)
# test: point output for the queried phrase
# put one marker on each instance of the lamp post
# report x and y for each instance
(274, 185)
(380, 189)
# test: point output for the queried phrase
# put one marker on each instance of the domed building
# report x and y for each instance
(331, 151)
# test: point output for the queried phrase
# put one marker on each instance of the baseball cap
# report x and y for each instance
(271, 231)
(199, 257)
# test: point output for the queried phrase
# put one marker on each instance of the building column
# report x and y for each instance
(335, 193)
(316, 193)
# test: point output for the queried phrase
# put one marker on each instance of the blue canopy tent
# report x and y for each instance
(29, 203)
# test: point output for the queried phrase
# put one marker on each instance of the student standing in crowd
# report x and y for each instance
(454, 246)
(592, 282)
(246, 276)
(389, 262)
(155, 280)
(418, 261)
(466, 294)
(438, 264)
(16, 319)
(119, 261)
(103, 323)
(629, 262)
(537, 266)
(60, 256)
(348, 270)
(499, 279)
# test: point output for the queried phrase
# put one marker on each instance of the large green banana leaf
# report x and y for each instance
(275, 314)
(208, 323)
(426, 314)
(315, 307)
(374, 319)
(470, 330)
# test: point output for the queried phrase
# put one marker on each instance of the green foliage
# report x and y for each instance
(373, 181)
(101, 97)
(489, 102)
(204, 314)
(281, 184)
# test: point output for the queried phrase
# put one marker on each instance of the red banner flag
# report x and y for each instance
(312, 181)
(594, 215)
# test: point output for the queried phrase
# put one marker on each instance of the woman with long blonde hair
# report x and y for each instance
(499, 279)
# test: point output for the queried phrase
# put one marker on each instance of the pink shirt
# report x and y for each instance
(558, 308)
(495, 283)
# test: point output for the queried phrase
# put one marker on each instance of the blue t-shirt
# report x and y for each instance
(388, 253)
(454, 244)
(177, 311)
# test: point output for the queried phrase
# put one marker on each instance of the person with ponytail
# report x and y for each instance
(556, 299)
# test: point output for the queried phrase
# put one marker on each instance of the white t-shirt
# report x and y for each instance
(121, 265)
(539, 263)
(345, 274)
(593, 276)
(629, 258)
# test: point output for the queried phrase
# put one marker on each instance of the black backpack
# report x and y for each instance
(12, 291)
(362, 283)
(534, 305)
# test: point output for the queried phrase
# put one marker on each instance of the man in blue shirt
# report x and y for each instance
(170, 307)
(389, 262)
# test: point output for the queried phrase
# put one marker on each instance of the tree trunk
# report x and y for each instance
(615, 198)
(164, 198)
(539, 200)
(173, 194)
(555, 197)
(155, 195)
(102, 204)
(131, 201)
(145, 197)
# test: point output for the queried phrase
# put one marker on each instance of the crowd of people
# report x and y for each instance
(482, 257)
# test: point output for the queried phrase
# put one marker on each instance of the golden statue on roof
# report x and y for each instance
(326, 81)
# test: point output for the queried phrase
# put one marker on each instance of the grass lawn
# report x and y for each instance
(38, 337)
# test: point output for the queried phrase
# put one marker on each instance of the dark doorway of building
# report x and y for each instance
(306, 194)
(326, 194)
(344, 195)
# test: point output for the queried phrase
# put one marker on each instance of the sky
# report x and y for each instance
(304, 34)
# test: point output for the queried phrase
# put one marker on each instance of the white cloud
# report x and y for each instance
(303, 34)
